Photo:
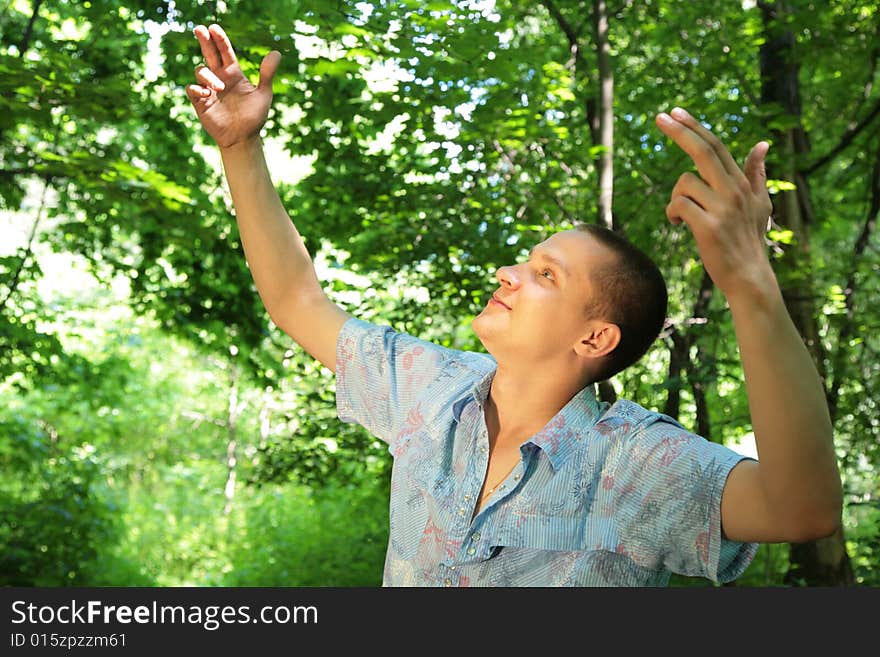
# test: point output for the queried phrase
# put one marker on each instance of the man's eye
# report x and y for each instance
(546, 273)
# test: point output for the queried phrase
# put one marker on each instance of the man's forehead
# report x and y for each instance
(569, 245)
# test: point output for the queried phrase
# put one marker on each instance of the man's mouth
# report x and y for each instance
(499, 302)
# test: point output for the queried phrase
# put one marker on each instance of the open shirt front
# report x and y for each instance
(602, 496)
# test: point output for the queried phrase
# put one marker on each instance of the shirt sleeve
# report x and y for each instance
(681, 478)
(381, 375)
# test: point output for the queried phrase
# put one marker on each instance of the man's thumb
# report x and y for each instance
(267, 70)
(754, 167)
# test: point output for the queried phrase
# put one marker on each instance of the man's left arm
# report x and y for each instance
(793, 494)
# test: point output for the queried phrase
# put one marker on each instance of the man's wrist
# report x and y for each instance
(246, 145)
(758, 289)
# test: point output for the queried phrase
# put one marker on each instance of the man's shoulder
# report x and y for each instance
(642, 435)
(638, 433)
(412, 348)
(628, 414)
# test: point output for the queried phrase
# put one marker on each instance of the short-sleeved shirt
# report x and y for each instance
(603, 495)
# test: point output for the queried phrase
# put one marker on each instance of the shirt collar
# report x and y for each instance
(565, 431)
(479, 392)
(482, 386)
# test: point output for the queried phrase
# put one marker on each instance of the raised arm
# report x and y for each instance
(232, 111)
(793, 494)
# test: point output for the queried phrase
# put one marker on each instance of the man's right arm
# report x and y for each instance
(278, 259)
(232, 111)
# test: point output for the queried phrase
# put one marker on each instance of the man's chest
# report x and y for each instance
(446, 482)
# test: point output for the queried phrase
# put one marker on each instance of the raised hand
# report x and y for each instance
(726, 208)
(230, 108)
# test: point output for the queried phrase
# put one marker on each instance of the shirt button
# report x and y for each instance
(451, 567)
(462, 511)
(467, 498)
(476, 536)
(483, 450)
(448, 582)
(471, 551)
(516, 478)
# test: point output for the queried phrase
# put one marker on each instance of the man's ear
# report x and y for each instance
(600, 339)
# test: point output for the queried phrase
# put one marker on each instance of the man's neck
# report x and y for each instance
(519, 406)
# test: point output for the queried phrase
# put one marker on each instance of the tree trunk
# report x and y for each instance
(678, 355)
(232, 413)
(680, 362)
(698, 387)
(605, 163)
(824, 562)
(607, 393)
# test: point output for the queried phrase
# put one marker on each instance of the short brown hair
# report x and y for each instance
(631, 294)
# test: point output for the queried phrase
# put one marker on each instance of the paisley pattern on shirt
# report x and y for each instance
(602, 496)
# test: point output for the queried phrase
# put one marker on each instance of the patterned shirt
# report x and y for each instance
(603, 495)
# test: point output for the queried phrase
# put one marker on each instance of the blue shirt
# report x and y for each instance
(602, 496)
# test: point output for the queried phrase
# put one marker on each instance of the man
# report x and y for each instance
(507, 471)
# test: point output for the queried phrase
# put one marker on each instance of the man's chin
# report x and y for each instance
(477, 325)
(479, 330)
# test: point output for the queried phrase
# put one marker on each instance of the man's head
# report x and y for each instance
(586, 295)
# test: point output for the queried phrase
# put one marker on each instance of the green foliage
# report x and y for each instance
(28, 353)
(445, 138)
(54, 522)
(863, 544)
(138, 496)
(297, 536)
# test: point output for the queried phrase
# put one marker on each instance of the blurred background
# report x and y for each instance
(157, 430)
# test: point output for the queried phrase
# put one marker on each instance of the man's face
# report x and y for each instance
(538, 311)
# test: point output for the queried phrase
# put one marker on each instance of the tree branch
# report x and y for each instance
(16, 277)
(845, 141)
(201, 417)
(29, 30)
(47, 173)
(861, 245)
(680, 352)
(573, 37)
(564, 25)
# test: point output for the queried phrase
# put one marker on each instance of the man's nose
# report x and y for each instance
(508, 276)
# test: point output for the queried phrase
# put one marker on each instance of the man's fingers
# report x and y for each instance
(208, 78)
(754, 167)
(199, 96)
(702, 147)
(267, 69)
(682, 208)
(694, 188)
(706, 135)
(224, 45)
(196, 92)
(209, 49)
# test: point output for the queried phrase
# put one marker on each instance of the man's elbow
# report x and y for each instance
(822, 518)
(818, 531)
(819, 525)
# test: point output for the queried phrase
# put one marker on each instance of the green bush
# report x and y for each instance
(297, 536)
(54, 525)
